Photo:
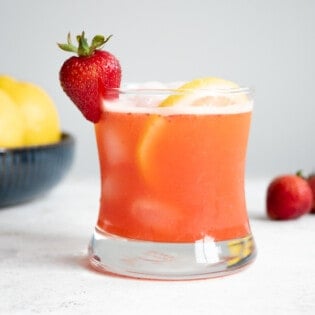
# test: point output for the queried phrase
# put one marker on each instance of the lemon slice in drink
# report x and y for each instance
(160, 137)
(204, 91)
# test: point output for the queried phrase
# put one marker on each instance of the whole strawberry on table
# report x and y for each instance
(290, 196)
(86, 78)
(311, 182)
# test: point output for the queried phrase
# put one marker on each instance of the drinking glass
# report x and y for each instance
(172, 202)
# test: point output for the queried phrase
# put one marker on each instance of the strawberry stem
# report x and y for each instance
(83, 48)
(299, 173)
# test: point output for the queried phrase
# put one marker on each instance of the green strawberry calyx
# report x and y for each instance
(299, 173)
(84, 49)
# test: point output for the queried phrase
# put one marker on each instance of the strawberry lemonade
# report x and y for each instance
(172, 163)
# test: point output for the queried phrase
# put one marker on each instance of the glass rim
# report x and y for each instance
(125, 90)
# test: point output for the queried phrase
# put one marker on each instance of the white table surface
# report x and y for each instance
(43, 267)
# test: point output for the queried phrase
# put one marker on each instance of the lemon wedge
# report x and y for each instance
(205, 91)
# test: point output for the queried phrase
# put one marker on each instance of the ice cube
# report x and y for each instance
(116, 151)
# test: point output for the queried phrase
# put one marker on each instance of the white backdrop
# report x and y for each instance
(269, 45)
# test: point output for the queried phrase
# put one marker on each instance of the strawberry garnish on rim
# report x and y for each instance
(85, 78)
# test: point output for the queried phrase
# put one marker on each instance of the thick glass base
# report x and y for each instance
(204, 258)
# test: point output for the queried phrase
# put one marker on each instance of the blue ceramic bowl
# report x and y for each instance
(30, 172)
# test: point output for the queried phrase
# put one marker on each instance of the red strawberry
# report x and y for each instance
(288, 197)
(311, 182)
(85, 78)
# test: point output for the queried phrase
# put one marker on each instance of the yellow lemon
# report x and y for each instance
(7, 83)
(41, 116)
(186, 94)
(12, 126)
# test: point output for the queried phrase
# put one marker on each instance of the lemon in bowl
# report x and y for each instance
(34, 153)
(38, 114)
(11, 123)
